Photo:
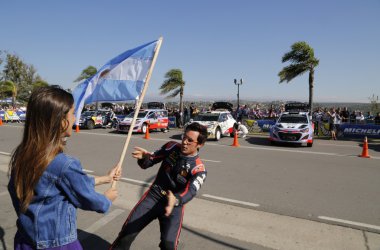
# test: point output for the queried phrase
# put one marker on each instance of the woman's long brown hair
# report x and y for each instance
(42, 140)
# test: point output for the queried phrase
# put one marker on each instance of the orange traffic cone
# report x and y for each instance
(1, 121)
(365, 149)
(147, 136)
(77, 128)
(236, 143)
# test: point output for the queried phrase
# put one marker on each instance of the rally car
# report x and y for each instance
(154, 118)
(218, 123)
(93, 118)
(293, 127)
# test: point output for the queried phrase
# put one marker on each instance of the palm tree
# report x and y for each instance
(39, 83)
(86, 73)
(175, 84)
(301, 59)
(9, 88)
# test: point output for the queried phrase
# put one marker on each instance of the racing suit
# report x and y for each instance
(184, 176)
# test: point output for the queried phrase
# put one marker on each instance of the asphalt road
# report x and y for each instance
(326, 183)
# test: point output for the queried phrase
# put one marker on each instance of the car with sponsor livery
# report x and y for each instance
(293, 126)
(152, 118)
(219, 123)
(10, 116)
(91, 119)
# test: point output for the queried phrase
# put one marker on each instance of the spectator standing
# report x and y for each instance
(238, 113)
(345, 114)
(377, 119)
(325, 116)
(271, 111)
(369, 118)
(178, 118)
(192, 107)
(360, 118)
(186, 114)
(333, 122)
(317, 118)
(353, 117)
(245, 112)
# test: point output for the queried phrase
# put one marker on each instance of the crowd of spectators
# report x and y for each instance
(254, 112)
(344, 115)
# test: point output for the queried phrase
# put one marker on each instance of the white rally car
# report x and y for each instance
(218, 123)
(148, 118)
(293, 127)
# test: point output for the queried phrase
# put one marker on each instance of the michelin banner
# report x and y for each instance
(359, 131)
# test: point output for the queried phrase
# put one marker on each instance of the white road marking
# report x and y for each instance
(87, 171)
(231, 200)
(204, 195)
(211, 161)
(349, 222)
(103, 221)
(336, 145)
(4, 153)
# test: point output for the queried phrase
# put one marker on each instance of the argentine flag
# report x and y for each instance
(120, 79)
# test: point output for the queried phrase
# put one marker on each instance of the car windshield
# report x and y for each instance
(293, 119)
(207, 118)
(88, 113)
(140, 115)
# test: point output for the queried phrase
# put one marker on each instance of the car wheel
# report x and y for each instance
(218, 134)
(310, 144)
(165, 130)
(90, 124)
(144, 127)
(272, 143)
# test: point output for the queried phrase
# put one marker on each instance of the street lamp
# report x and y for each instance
(238, 83)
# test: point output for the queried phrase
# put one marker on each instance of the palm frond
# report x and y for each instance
(290, 72)
(168, 86)
(174, 94)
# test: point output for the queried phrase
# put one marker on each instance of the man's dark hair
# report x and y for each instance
(195, 126)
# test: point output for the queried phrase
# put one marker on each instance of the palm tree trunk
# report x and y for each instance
(311, 89)
(13, 101)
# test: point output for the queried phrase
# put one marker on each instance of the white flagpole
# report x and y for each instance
(140, 101)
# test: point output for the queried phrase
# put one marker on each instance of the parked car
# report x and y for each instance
(293, 127)
(9, 116)
(218, 123)
(154, 118)
(93, 119)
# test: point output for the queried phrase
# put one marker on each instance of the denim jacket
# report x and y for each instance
(50, 219)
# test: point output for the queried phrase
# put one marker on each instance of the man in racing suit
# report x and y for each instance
(178, 180)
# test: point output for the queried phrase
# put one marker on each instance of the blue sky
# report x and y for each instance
(212, 42)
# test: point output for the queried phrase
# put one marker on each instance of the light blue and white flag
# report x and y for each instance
(120, 79)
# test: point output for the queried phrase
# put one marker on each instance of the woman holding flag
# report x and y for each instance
(46, 185)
